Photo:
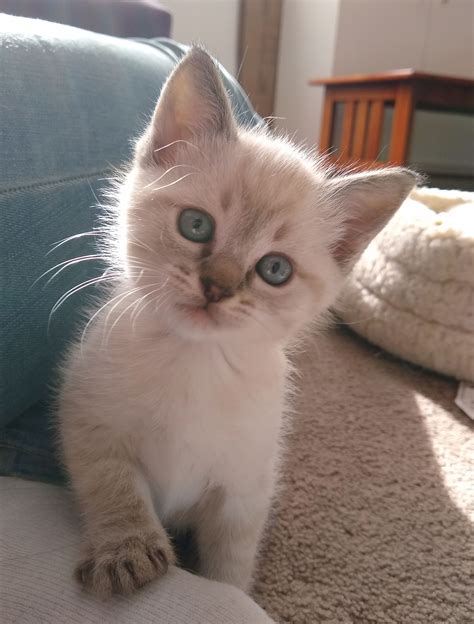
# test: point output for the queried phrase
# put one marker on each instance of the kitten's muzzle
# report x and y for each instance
(213, 291)
(221, 277)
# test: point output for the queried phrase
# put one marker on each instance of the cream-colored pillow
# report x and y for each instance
(412, 291)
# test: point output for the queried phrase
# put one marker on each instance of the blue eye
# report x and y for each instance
(195, 225)
(274, 269)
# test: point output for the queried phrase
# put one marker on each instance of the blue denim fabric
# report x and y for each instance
(71, 102)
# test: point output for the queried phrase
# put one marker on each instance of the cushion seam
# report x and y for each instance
(58, 182)
(455, 328)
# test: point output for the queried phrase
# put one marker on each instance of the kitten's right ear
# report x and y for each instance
(192, 104)
(365, 203)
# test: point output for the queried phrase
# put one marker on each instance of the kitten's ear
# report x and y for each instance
(193, 103)
(365, 203)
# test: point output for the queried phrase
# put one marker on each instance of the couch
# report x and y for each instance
(71, 102)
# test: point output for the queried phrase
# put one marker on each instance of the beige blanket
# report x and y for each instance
(412, 291)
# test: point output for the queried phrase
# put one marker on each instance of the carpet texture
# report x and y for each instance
(373, 521)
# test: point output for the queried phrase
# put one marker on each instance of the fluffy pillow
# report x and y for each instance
(412, 291)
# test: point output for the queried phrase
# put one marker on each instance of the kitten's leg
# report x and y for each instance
(126, 546)
(228, 533)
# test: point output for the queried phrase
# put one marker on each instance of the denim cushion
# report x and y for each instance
(70, 104)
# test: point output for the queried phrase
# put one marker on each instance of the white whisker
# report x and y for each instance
(186, 175)
(64, 265)
(120, 300)
(70, 238)
(169, 171)
(120, 296)
(72, 291)
(109, 333)
(188, 143)
(139, 310)
(141, 244)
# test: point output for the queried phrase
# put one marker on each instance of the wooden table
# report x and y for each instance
(364, 97)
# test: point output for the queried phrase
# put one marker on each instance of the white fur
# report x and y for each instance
(189, 401)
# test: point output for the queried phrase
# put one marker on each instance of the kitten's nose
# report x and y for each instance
(212, 291)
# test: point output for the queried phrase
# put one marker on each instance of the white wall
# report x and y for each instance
(449, 46)
(379, 35)
(428, 35)
(307, 41)
(213, 23)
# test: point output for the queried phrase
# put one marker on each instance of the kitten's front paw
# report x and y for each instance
(121, 567)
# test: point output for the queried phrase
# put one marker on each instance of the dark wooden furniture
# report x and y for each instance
(364, 99)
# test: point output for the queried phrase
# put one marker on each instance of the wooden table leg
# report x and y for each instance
(402, 120)
(360, 129)
(346, 134)
(374, 132)
(325, 142)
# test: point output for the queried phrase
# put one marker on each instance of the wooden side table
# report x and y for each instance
(364, 97)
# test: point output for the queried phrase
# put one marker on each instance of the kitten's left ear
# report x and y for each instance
(193, 104)
(365, 202)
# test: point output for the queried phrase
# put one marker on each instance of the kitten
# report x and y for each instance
(228, 244)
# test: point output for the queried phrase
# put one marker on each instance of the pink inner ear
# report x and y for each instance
(346, 247)
(367, 201)
(358, 232)
(192, 105)
(167, 135)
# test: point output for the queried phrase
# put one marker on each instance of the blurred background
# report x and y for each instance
(277, 47)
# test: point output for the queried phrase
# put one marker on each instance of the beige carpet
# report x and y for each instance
(372, 523)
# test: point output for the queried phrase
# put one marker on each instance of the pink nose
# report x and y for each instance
(212, 291)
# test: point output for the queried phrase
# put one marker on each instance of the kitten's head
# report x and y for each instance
(227, 230)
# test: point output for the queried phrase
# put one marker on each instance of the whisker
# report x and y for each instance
(124, 296)
(93, 193)
(271, 117)
(64, 265)
(244, 56)
(72, 291)
(139, 310)
(169, 171)
(141, 244)
(160, 302)
(70, 238)
(91, 320)
(109, 333)
(186, 175)
(139, 262)
(188, 143)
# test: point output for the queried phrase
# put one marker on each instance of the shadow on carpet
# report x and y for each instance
(372, 521)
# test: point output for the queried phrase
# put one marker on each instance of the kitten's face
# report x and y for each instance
(236, 244)
(227, 231)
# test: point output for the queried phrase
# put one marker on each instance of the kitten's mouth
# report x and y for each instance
(200, 314)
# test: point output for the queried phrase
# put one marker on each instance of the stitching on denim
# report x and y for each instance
(35, 185)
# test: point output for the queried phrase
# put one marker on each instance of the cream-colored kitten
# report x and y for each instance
(228, 243)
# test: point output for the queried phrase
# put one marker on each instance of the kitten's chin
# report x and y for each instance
(199, 315)
(197, 321)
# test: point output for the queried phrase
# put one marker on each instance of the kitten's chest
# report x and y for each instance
(211, 423)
